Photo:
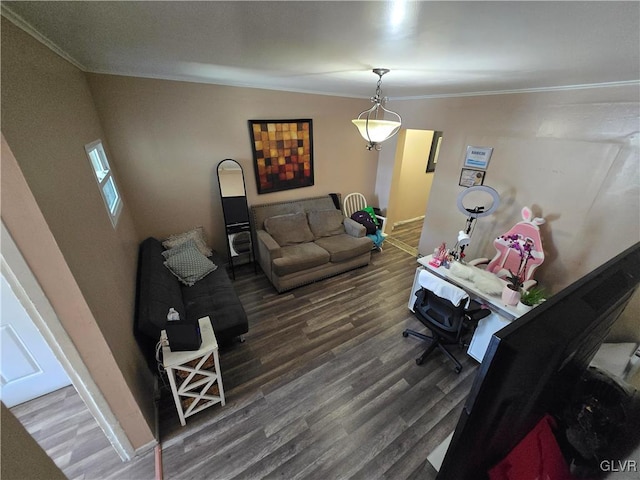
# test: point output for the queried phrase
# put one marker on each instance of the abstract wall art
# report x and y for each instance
(282, 154)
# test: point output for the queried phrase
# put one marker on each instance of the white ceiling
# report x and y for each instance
(432, 48)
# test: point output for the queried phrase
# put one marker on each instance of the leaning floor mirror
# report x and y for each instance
(236, 213)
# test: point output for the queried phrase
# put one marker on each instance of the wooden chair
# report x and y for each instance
(355, 202)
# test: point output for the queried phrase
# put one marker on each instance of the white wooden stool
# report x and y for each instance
(194, 375)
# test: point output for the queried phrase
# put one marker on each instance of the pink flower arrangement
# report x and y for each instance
(523, 247)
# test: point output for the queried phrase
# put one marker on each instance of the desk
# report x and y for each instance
(500, 317)
(194, 375)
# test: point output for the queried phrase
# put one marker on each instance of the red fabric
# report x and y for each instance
(536, 457)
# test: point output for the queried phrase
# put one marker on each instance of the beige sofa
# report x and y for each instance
(301, 241)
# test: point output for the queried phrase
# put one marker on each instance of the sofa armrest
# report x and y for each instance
(353, 228)
(268, 245)
(268, 250)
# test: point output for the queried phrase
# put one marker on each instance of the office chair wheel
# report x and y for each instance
(458, 369)
(419, 361)
(405, 334)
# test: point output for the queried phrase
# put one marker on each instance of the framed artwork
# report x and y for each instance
(434, 151)
(282, 154)
(470, 177)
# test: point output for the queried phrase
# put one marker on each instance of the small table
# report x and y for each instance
(194, 375)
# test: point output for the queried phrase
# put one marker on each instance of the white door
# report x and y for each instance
(28, 368)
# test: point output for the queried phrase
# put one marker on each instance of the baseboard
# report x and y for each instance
(145, 448)
(156, 404)
(402, 222)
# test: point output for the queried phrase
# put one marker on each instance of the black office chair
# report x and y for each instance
(448, 323)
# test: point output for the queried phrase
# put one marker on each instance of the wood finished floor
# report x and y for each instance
(325, 387)
(406, 236)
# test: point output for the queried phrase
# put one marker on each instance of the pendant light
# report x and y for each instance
(371, 123)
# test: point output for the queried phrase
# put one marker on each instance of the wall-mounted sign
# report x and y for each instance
(478, 157)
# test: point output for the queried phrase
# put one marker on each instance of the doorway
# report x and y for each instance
(29, 367)
(414, 166)
(22, 281)
(406, 236)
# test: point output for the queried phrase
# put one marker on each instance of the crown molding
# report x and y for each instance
(226, 83)
(523, 90)
(22, 24)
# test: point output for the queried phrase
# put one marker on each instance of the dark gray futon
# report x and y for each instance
(158, 290)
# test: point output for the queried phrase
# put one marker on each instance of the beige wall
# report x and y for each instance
(21, 456)
(411, 184)
(53, 209)
(570, 155)
(168, 137)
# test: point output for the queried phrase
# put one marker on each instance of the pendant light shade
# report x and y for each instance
(376, 130)
(378, 123)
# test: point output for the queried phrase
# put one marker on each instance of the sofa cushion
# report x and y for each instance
(344, 247)
(325, 223)
(215, 297)
(187, 263)
(289, 229)
(299, 257)
(197, 235)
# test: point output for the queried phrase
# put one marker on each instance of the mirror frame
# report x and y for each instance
(235, 228)
(240, 169)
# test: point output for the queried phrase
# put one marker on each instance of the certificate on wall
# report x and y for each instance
(471, 178)
(478, 157)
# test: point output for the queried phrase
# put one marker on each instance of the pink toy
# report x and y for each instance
(527, 236)
(439, 255)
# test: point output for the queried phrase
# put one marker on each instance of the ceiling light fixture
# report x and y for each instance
(373, 129)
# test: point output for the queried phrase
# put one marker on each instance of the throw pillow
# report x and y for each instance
(197, 234)
(289, 229)
(189, 244)
(326, 223)
(187, 263)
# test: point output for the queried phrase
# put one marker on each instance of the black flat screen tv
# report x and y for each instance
(532, 365)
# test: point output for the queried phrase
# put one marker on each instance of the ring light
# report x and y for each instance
(478, 211)
(464, 236)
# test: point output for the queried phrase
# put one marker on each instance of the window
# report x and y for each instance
(104, 177)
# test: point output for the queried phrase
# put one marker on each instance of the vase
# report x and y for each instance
(509, 296)
(521, 307)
